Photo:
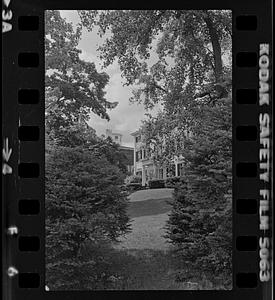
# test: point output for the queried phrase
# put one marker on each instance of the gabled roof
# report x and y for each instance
(126, 148)
(136, 133)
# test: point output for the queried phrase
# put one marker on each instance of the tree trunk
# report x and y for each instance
(216, 47)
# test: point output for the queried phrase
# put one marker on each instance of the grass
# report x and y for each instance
(151, 194)
(149, 269)
(146, 270)
(147, 233)
(149, 207)
(148, 218)
(143, 259)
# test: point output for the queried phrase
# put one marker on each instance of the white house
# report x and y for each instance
(115, 136)
(145, 167)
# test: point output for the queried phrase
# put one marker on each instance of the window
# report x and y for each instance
(144, 153)
(139, 173)
(116, 137)
(180, 169)
(138, 155)
(138, 138)
(151, 174)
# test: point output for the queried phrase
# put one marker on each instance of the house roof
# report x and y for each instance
(136, 133)
(109, 131)
(126, 148)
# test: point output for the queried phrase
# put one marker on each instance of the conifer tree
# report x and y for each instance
(85, 210)
(200, 222)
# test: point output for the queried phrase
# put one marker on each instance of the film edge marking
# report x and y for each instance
(6, 16)
(6, 153)
(264, 163)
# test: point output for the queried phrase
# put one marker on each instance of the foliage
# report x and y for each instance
(133, 183)
(134, 186)
(82, 135)
(112, 152)
(83, 203)
(156, 183)
(178, 58)
(133, 179)
(164, 136)
(190, 45)
(172, 182)
(73, 87)
(129, 270)
(85, 206)
(200, 224)
(191, 78)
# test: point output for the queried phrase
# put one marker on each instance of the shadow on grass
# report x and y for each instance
(148, 207)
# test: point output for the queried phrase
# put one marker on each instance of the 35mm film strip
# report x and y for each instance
(23, 153)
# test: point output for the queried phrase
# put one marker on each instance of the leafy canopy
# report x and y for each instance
(188, 47)
(74, 87)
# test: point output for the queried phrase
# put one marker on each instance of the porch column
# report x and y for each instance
(155, 171)
(135, 163)
(143, 177)
(176, 169)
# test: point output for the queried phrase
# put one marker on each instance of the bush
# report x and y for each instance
(171, 182)
(133, 179)
(156, 183)
(84, 202)
(92, 269)
(133, 186)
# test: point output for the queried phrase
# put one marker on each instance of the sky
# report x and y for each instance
(126, 117)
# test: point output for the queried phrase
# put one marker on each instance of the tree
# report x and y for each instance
(189, 45)
(84, 204)
(200, 221)
(164, 136)
(190, 71)
(190, 76)
(111, 151)
(73, 87)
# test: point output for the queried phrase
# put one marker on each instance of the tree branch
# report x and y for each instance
(216, 46)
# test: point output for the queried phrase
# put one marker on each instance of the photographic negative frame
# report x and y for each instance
(24, 152)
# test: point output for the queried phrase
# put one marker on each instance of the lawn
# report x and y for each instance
(143, 260)
(151, 194)
(147, 233)
(149, 207)
(148, 211)
(148, 269)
